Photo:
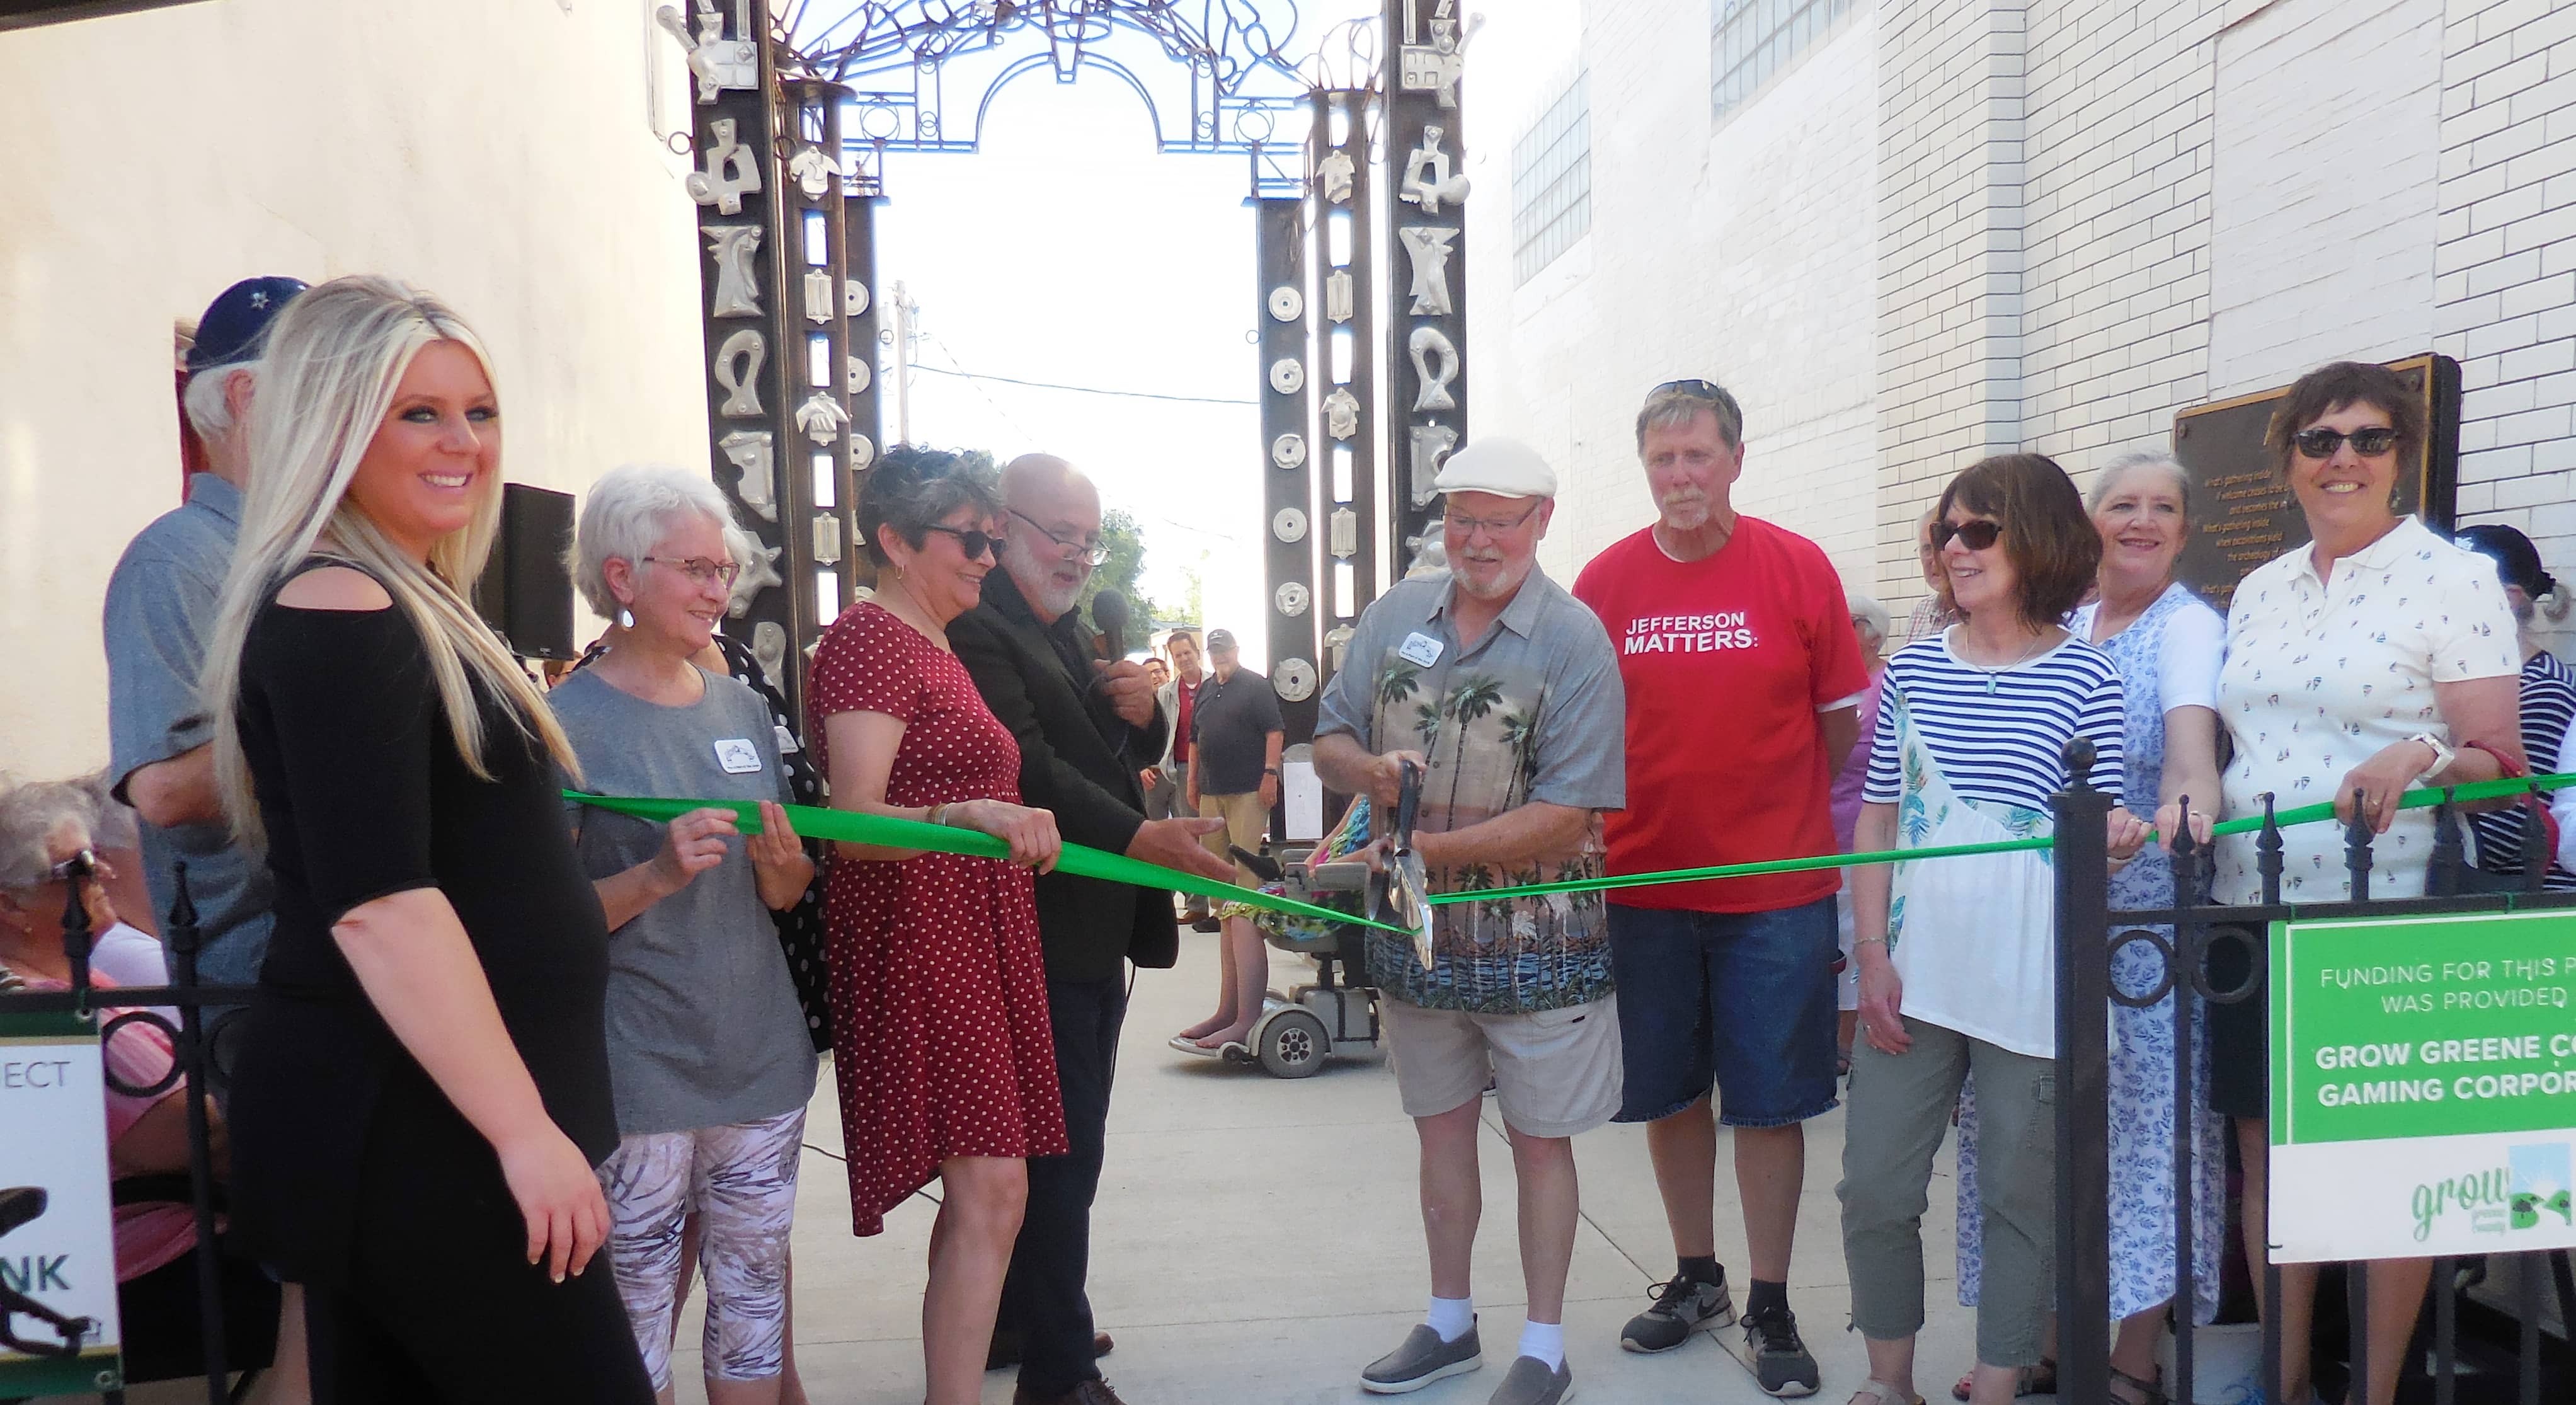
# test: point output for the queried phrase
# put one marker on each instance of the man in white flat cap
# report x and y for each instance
(1504, 689)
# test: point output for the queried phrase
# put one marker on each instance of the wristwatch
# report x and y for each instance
(1269, 770)
(2443, 756)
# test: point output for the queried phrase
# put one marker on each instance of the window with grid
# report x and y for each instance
(1752, 39)
(1552, 183)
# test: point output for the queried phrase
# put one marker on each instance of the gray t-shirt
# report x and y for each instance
(703, 1025)
(160, 607)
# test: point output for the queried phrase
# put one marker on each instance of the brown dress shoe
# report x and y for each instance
(1005, 1350)
(1091, 1392)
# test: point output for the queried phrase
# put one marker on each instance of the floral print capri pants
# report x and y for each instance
(740, 1181)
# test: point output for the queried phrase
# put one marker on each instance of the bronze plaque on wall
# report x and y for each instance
(2242, 512)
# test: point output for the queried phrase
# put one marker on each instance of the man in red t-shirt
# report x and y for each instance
(1743, 676)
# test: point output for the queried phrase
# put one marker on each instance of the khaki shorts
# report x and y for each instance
(1246, 818)
(1555, 1072)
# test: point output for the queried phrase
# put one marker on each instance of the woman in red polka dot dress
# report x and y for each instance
(939, 1006)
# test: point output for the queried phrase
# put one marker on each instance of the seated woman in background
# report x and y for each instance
(41, 827)
(2546, 693)
(708, 1055)
(1958, 958)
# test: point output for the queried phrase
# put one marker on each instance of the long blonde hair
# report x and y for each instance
(335, 358)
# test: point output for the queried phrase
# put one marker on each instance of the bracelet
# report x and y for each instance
(938, 814)
(1859, 942)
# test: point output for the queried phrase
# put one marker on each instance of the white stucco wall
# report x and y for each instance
(1739, 252)
(502, 153)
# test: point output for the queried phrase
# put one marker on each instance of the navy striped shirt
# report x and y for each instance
(2001, 736)
(2548, 705)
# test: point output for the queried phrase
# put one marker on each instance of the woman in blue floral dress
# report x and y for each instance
(2168, 645)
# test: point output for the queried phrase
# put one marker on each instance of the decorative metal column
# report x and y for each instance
(819, 423)
(1345, 436)
(859, 316)
(747, 314)
(1288, 492)
(1427, 333)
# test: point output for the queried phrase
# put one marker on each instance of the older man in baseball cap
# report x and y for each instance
(1504, 690)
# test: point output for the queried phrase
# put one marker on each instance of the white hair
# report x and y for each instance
(2119, 468)
(29, 816)
(335, 361)
(209, 412)
(630, 509)
(1868, 613)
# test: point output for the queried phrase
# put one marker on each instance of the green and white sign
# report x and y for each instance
(57, 1244)
(2423, 1086)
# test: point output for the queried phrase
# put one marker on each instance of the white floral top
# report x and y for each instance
(2321, 675)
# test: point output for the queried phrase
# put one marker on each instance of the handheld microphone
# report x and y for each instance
(1109, 616)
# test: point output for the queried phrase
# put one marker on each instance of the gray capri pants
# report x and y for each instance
(1896, 1112)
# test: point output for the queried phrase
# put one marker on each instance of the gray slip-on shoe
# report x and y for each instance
(1422, 1359)
(1529, 1382)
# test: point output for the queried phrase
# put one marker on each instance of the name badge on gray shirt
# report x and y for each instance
(738, 756)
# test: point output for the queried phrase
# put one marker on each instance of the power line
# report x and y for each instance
(1087, 389)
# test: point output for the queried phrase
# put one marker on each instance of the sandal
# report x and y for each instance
(2035, 1380)
(1881, 1393)
(2149, 1392)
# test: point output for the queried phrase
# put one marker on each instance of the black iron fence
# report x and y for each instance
(193, 1059)
(2092, 938)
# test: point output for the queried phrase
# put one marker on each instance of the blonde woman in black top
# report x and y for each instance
(423, 1088)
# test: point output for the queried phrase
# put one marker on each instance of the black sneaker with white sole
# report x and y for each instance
(1682, 1307)
(1781, 1362)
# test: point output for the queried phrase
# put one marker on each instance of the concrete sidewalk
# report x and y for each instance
(1257, 1241)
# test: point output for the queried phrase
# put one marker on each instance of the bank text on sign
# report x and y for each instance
(2423, 1086)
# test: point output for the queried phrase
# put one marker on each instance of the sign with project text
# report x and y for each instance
(58, 1331)
(2423, 1086)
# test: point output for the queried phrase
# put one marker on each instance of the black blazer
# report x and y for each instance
(1079, 759)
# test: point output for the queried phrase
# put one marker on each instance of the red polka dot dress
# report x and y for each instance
(939, 1007)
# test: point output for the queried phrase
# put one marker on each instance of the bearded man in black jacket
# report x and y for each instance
(1085, 728)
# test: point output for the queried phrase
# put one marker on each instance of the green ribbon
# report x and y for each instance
(2304, 814)
(885, 831)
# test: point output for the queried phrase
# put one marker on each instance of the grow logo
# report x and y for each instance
(2540, 1185)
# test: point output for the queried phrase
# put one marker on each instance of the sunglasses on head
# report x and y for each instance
(1976, 534)
(2320, 443)
(973, 541)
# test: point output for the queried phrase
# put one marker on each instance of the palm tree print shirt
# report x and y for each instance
(1532, 712)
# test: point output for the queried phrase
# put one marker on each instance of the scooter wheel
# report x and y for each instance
(1291, 1043)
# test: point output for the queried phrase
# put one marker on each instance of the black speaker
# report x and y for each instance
(525, 592)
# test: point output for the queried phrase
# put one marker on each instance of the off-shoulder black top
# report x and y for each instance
(364, 794)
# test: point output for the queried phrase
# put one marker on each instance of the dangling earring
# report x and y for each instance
(625, 618)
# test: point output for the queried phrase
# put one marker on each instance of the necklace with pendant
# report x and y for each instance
(1996, 673)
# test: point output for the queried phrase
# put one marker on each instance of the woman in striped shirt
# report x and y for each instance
(1957, 963)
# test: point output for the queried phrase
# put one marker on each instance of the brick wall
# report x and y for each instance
(1949, 172)
(2504, 264)
(1741, 251)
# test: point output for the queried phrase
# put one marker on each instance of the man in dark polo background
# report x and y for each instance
(1235, 737)
(1086, 730)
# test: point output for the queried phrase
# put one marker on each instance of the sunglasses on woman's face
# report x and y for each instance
(2321, 443)
(971, 541)
(1976, 534)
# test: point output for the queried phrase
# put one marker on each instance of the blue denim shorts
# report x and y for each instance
(1741, 1001)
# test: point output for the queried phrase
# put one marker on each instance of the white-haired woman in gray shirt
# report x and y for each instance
(709, 1059)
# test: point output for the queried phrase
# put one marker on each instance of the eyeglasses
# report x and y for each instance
(1467, 526)
(1092, 551)
(698, 569)
(971, 541)
(1705, 390)
(1976, 534)
(2320, 443)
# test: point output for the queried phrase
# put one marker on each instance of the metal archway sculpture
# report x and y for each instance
(1216, 76)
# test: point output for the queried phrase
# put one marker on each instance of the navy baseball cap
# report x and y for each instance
(237, 319)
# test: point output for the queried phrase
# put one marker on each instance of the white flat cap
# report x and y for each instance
(1506, 468)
